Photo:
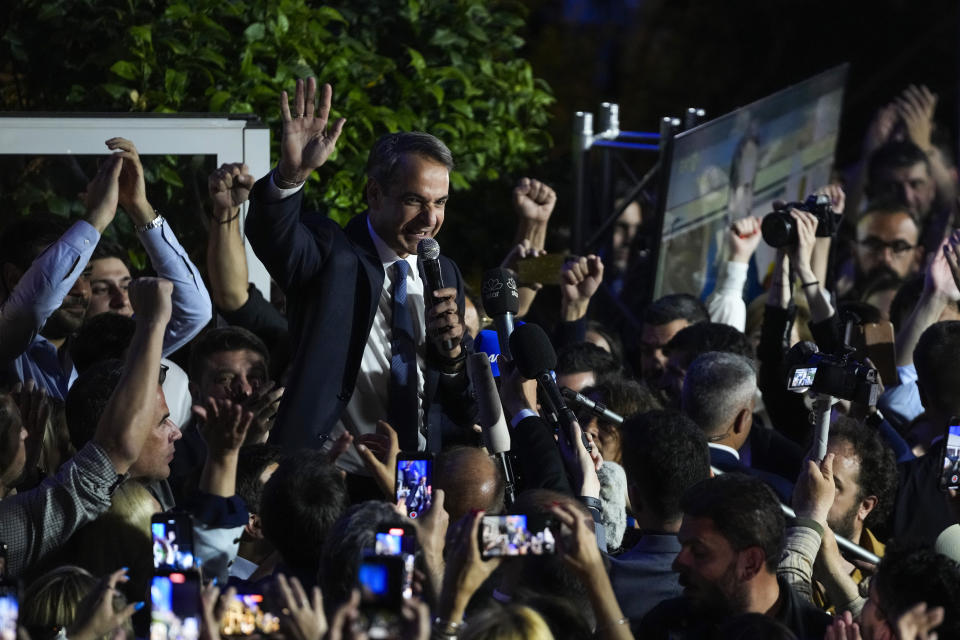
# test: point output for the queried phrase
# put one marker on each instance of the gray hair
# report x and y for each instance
(386, 153)
(716, 387)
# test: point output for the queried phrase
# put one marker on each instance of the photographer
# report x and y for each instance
(786, 409)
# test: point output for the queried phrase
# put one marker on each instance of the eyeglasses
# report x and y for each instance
(876, 245)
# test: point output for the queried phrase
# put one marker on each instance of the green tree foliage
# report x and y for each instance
(447, 67)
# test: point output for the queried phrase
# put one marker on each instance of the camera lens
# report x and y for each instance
(778, 230)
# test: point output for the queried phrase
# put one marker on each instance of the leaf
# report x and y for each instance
(175, 83)
(283, 23)
(256, 31)
(124, 69)
(168, 175)
(142, 33)
(416, 59)
(217, 100)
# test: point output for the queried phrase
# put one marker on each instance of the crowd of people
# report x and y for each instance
(685, 499)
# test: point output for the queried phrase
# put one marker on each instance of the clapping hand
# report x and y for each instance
(133, 190)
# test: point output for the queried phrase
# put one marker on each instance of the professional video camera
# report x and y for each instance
(838, 376)
(780, 230)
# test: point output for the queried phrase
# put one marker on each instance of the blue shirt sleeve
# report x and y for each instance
(43, 287)
(192, 308)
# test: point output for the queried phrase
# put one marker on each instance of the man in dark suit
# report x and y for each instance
(369, 341)
(719, 390)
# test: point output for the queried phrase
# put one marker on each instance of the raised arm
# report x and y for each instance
(287, 248)
(40, 290)
(191, 301)
(533, 202)
(939, 290)
(726, 303)
(229, 188)
(131, 412)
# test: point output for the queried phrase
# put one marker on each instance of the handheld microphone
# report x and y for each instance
(428, 251)
(535, 358)
(596, 408)
(501, 302)
(496, 436)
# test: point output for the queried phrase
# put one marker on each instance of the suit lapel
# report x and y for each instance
(359, 235)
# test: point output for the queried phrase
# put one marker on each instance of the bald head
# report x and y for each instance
(470, 480)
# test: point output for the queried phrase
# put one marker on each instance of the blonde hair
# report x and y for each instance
(53, 600)
(120, 537)
(512, 622)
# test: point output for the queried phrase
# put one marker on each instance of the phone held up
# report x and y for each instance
(414, 482)
(950, 474)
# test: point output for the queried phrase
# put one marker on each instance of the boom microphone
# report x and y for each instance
(501, 302)
(428, 250)
(496, 436)
(535, 359)
(596, 408)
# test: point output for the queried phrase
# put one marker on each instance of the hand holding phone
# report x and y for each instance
(950, 476)
(172, 541)
(517, 535)
(414, 483)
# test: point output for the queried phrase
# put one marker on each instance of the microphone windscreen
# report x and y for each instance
(532, 351)
(499, 293)
(496, 436)
(488, 343)
(428, 249)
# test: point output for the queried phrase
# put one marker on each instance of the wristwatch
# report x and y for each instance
(153, 224)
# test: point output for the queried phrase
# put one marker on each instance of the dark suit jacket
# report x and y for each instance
(332, 277)
(728, 463)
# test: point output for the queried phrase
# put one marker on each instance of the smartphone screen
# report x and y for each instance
(380, 579)
(175, 606)
(247, 615)
(517, 535)
(802, 378)
(9, 610)
(172, 541)
(951, 457)
(414, 483)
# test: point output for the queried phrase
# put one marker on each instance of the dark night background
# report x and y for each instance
(658, 57)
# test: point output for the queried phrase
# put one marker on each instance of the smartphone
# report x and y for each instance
(175, 606)
(172, 541)
(414, 482)
(248, 614)
(875, 340)
(9, 609)
(395, 541)
(399, 542)
(802, 378)
(517, 535)
(380, 579)
(544, 269)
(950, 478)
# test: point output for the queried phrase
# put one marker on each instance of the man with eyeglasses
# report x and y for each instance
(886, 244)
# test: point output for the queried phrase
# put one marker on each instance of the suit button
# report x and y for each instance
(344, 395)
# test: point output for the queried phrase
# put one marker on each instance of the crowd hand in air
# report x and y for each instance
(744, 238)
(307, 142)
(579, 280)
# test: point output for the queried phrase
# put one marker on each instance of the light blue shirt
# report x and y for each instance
(25, 354)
